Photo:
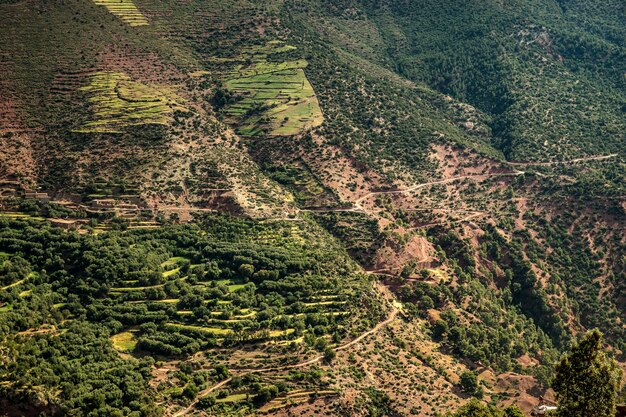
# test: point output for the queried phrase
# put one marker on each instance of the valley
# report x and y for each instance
(308, 208)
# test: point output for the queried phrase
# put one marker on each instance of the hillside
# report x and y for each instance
(312, 207)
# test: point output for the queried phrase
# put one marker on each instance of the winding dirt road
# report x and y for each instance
(571, 161)
(391, 317)
(358, 207)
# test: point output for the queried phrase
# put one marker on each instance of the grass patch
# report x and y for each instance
(277, 97)
(233, 398)
(235, 287)
(119, 103)
(16, 215)
(168, 301)
(324, 303)
(170, 272)
(213, 330)
(15, 284)
(125, 341)
(173, 261)
(279, 333)
(130, 289)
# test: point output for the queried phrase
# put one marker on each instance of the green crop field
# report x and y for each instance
(276, 98)
(333, 207)
(125, 341)
(233, 398)
(218, 301)
(125, 10)
(118, 102)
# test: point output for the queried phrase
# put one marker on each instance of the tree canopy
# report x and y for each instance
(587, 380)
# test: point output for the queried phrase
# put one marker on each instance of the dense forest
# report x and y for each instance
(177, 290)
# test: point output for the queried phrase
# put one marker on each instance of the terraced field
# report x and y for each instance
(275, 98)
(125, 10)
(223, 316)
(118, 102)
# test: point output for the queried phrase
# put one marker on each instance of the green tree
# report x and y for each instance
(265, 394)
(587, 380)
(206, 402)
(221, 372)
(476, 408)
(246, 270)
(329, 354)
(513, 411)
(190, 391)
(470, 384)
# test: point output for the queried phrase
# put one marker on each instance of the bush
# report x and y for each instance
(206, 402)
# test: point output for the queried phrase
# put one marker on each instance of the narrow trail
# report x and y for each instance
(468, 217)
(358, 207)
(431, 183)
(571, 161)
(391, 317)
(383, 271)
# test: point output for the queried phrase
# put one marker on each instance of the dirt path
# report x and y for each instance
(431, 183)
(391, 317)
(358, 207)
(571, 161)
(468, 217)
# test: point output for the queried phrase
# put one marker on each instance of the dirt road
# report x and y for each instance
(391, 317)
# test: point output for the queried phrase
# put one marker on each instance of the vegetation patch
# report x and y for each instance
(119, 103)
(125, 341)
(125, 10)
(273, 98)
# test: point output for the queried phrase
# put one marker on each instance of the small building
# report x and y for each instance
(542, 409)
(36, 195)
(64, 223)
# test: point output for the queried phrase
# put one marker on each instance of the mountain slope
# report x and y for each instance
(417, 191)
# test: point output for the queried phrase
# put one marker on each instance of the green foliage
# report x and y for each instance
(476, 408)
(329, 354)
(470, 383)
(276, 98)
(513, 411)
(576, 269)
(206, 402)
(503, 333)
(380, 404)
(265, 394)
(90, 377)
(587, 381)
(125, 289)
(532, 66)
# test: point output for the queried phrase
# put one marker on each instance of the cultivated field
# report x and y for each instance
(118, 102)
(275, 96)
(125, 10)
